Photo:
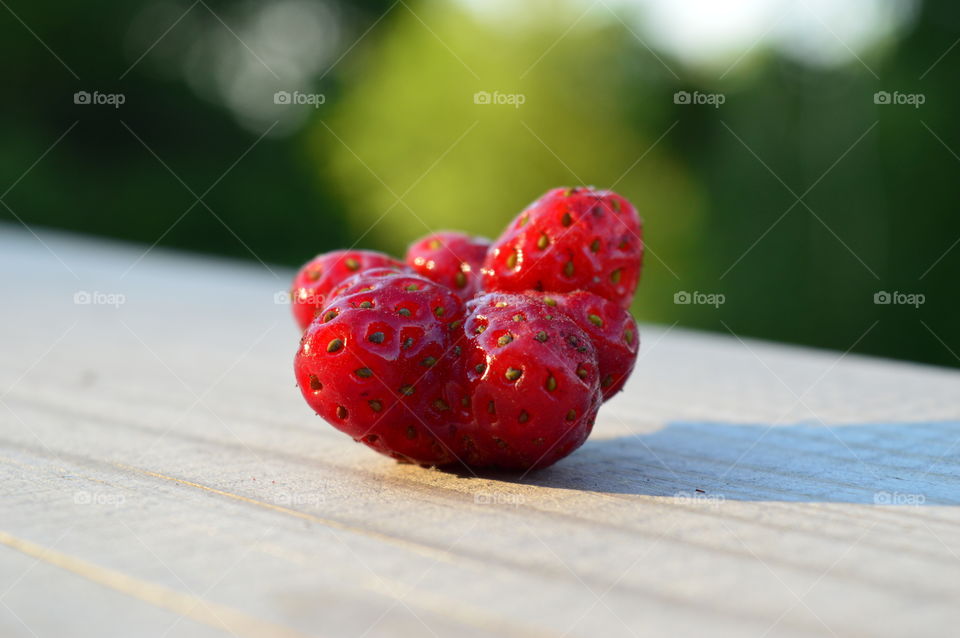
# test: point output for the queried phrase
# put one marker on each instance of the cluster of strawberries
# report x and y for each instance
(487, 355)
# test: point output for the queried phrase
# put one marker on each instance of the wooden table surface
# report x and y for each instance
(161, 476)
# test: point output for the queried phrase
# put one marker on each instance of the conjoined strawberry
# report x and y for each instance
(472, 354)
(570, 239)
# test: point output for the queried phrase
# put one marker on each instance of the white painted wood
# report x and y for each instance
(160, 476)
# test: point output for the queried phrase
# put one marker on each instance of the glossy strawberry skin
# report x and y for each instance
(612, 329)
(450, 258)
(319, 276)
(532, 382)
(570, 239)
(374, 361)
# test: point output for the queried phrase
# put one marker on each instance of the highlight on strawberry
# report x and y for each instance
(476, 353)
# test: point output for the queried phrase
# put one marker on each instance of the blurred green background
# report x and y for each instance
(798, 199)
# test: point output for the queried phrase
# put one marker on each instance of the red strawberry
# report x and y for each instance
(319, 276)
(612, 330)
(570, 239)
(531, 376)
(374, 363)
(450, 258)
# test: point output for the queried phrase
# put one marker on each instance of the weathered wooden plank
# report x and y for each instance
(159, 473)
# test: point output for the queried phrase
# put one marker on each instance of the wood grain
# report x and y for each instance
(160, 476)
